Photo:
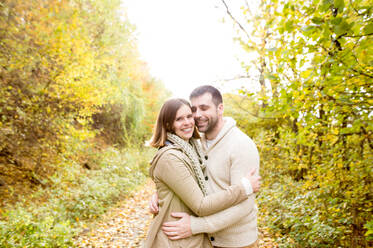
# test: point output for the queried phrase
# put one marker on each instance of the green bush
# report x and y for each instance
(317, 183)
(77, 195)
(369, 233)
(291, 212)
(33, 228)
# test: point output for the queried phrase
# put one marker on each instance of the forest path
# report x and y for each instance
(126, 225)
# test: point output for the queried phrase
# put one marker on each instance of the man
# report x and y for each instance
(230, 154)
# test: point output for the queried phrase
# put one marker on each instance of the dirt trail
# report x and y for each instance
(126, 225)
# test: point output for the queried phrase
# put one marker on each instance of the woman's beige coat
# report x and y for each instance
(178, 191)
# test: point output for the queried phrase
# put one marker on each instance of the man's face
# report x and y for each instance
(205, 112)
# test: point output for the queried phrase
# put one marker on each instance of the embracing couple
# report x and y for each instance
(206, 181)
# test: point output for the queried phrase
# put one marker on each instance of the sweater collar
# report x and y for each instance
(229, 123)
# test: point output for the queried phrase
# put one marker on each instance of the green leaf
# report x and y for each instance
(342, 28)
(271, 76)
(325, 5)
(336, 21)
(368, 29)
(339, 4)
(307, 30)
(317, 20)
(289, 26)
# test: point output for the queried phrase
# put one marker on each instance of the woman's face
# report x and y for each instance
(183, 125)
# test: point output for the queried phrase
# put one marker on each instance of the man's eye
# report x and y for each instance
(194, 109)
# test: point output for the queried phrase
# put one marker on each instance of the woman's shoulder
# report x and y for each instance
(169, 158)
(169, 152)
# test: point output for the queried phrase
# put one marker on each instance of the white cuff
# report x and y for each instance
(247, 185)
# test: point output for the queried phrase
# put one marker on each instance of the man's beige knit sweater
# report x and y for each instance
(230, 156)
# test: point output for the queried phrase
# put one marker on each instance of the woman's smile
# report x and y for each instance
(184, 123)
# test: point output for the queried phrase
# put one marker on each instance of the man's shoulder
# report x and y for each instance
(241, 145)
(239, 136)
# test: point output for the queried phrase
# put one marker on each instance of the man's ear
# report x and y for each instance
(221, 109)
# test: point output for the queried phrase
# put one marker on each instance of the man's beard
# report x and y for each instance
(211, 124)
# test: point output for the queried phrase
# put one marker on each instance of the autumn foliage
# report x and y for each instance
(69, 69)
(312, 118)
(76, 102)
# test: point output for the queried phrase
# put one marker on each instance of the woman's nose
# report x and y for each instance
(188, 121)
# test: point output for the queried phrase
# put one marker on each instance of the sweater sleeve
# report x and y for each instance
(242, 161)
(223, 219)
(173, 172)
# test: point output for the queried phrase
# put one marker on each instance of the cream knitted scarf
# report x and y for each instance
(194, 152)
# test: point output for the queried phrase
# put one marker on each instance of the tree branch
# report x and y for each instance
(234, 78)
(357, 12)
(235, 20)
(341, 61)
(361, 72)
(354, 36)
(251, 113)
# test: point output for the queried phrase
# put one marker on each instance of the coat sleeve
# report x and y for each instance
(172, 171)
(242, 161)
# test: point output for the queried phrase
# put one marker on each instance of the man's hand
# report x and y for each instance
(153, 204)
(178, 229)
(254, 180)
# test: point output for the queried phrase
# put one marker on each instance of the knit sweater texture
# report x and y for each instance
(231, 156)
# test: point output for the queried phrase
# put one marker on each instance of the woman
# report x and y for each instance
(176, 170)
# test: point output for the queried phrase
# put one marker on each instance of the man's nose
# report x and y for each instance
(197, 113)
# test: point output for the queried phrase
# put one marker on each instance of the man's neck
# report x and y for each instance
(213, 133)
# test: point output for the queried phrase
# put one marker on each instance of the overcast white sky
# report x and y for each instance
(185, 43)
